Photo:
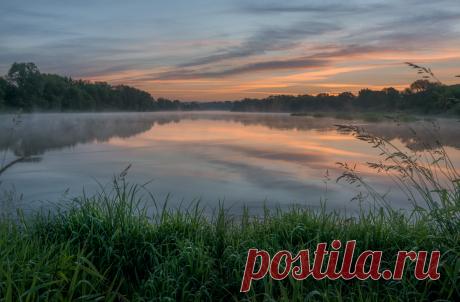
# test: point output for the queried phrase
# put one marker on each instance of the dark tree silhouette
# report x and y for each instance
(25, 87)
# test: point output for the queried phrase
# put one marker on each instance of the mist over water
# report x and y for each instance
(247, 159)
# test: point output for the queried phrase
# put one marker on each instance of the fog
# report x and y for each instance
(39, 133)
(242, 158)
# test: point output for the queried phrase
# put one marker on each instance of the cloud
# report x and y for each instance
(417, 27)
(21, 13)
(314, 61)
(295, 64)
(278, 8)
(268, 39)
(343, 7)
(348, 51)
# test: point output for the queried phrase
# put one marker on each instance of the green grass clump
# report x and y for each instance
(320, 115)
(372, 117)
(38, 269)
(367, 117)
(344, 116)
(108, 246)
(409, 118)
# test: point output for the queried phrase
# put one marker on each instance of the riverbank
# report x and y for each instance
(367, 117)
(105, 246)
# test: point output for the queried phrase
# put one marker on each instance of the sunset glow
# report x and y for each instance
(218, 51)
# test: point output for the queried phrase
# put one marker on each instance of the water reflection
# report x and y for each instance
(40, 133)
(249, 158)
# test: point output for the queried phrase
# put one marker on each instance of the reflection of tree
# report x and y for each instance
(386, 130)
(40, 133)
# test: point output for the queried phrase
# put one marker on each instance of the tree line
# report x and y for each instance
(423, 97)
(25, 87)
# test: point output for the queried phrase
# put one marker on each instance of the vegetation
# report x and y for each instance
(226, 106)
(107, 246)
(423, 97)
(367, 117)
(25, 87)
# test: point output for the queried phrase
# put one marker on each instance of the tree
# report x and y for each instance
(28, 79)
(346, 95)
(25, 76)
(423, 85)
(3, 85)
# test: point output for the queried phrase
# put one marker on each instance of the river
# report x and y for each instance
(238, 159)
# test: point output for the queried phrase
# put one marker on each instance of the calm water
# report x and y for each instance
(241, 158)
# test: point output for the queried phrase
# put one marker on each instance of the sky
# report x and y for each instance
(228, 50)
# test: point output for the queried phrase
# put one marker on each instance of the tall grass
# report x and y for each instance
(107, 246)
(426, 176)
(34, 267)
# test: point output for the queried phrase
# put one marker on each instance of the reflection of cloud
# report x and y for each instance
(293, 157)
(265, 178)
(38, 134)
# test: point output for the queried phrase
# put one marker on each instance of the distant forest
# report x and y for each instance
(25, 87)
(423, 97)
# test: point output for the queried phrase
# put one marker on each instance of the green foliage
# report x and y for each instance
(108, 245)
(320, 115)
(32, 269)
(26, 76)
(343, 116)
(372, 117)
(423, 85)
(25, 87)
(3, 87)
(420, 100)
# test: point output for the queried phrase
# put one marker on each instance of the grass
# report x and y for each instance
(320, 115)
(344, 116)
(106, 246)
(372, 117)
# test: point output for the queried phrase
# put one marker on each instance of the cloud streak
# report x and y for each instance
(268, 39)
(317, 61)
(296, 64)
